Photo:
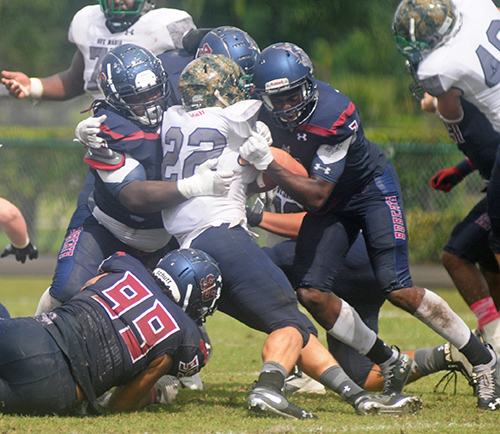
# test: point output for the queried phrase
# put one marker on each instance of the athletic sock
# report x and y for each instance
(336, 379)
(430, 360)
(485, 311)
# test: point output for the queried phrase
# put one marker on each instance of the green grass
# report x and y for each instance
(221, 406)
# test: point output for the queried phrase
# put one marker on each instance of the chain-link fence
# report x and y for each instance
(43, 178)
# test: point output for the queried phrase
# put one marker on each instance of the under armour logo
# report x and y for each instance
(302, 136)
(325, 170)
(129, 32)
(346, 389)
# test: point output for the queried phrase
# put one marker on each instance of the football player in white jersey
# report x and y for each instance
(453, 51)
(95, 30)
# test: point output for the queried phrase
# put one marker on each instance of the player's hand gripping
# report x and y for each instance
(206, 182)
(29, 251)
(255, 150)
(86, 132)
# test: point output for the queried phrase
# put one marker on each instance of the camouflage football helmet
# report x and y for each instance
(212, 80)
(420, 26)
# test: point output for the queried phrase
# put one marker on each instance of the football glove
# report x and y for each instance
(166, 390)
(86, 132)
(256, 148)
(206, 182)
(446, 179)
(29, 251)
(254, 218)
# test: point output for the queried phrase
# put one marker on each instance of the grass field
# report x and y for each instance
(221, 406)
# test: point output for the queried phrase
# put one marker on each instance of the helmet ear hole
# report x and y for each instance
(194, 280)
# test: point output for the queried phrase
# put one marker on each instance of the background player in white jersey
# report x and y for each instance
(213, 122)
(453, 50)
(95, 30)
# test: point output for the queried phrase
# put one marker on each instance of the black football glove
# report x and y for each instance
(29, 251)
(254, 218)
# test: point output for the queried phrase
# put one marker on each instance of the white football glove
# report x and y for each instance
(264, 131)
(86, 132)
(255, 150)
(166, 388)
(206, 182)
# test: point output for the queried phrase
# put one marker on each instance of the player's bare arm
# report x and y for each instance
(310, 192)
(137, 394)
(59, 87)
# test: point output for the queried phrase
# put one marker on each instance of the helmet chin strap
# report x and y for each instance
(221, 99)
(189, 290)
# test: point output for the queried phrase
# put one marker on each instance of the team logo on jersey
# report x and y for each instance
(301, 56)
(484, 222)
(398, 223)
(208, 288)
(206, 49)
(188, 369)
(302, 137)
(68, 248)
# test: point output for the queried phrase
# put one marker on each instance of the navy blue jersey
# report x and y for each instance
(141, 145)
(124, 321)
(332, 146)
(476, 138)
(174, 62)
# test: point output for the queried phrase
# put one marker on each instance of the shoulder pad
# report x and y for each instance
(104, 159)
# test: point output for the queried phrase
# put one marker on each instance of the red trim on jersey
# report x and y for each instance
(134, 136)
(325, 132)
(99, 165)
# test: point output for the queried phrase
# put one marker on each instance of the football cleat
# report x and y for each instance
(487, 383)
(299, 382)
(394, 405)
(267, 400)
(457, 362)
(397, 373)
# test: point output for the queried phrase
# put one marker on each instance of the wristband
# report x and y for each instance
(465, 167)
(23, 246)
(448, 121)
(36, 88)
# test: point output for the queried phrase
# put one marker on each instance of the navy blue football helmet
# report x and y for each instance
(134, 82)
(194, 280)
(119, 17)
(284, 69)
(233, 43)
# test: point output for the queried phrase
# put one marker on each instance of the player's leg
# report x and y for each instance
(386, 238)
(322, 244)
(468, 245)
(35, 377)
(76, 261)
(259, 289)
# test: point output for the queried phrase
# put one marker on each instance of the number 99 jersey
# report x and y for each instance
(125, 322)
(470, 61)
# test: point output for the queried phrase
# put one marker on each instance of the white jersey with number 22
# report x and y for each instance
(191, 138)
